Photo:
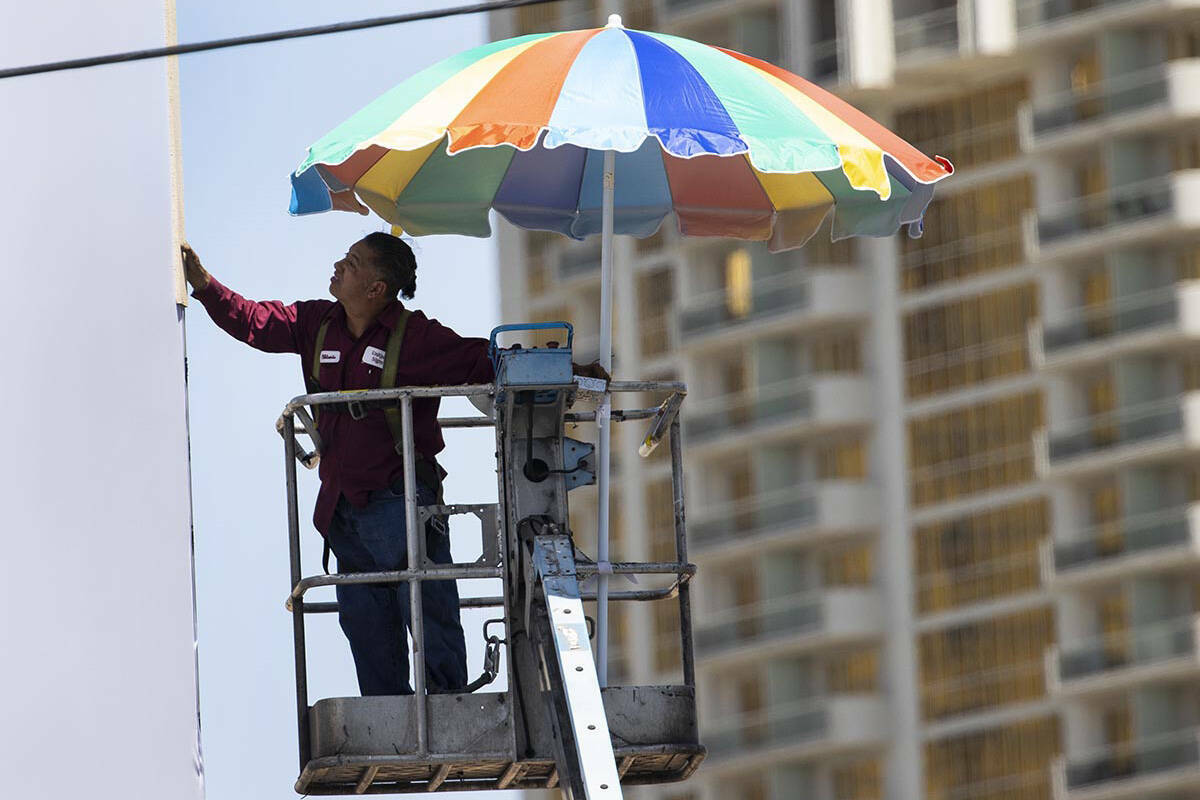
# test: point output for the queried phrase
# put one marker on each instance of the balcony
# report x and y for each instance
(797, 623)
(1121, 105)
(830, 62)
(927, 37)
(1152, 320)
(824, 509)
(1154, 542)
(578, 263)
(1158, 210)
(793, 407)
(802, 729)
(1053, 22)
(1167, 765)
(793, 300)
(1144, 432)
(1157, 651)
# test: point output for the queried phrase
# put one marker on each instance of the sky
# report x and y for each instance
(247, 116)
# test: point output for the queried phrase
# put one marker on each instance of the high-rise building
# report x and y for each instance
(942, 491)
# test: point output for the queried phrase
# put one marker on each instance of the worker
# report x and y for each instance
(360, 509)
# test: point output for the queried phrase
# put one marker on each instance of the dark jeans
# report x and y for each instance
(375, 618)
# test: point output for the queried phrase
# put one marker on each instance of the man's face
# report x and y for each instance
(355, 278)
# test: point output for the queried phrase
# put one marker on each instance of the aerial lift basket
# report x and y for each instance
(554, 725)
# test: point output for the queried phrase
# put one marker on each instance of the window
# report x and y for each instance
(537, 269)
(840, 351)
(639, 15)
(655, 300)
(982, 448)
(1008, 763)
(971, 129)
(985, 665)
(660, 518)
(1183, 41)
(738, 290)
(853, 566)
(667, 652)
(853, 672)
(979, 558)
(968, 342)
(539, 18)
(842, 460)
(860, 780)
(967, 234)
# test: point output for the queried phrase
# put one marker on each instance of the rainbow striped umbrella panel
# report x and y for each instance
(732, 145)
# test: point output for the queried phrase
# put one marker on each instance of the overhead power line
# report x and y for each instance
(259, 38)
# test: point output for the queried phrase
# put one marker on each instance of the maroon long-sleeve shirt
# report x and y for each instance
(358, 456)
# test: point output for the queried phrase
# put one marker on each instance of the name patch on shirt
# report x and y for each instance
(374, 357)
(331, 356)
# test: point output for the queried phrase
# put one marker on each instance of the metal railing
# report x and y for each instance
(990, 688)
(743, 519)
(778, 294)
(578, 261)
(790, 723)
(1120, 94)
(1129, 314)
(828, 60)
(1034, 13)
(925, 267)
(935, 30)
(741, 411)
(779, 617)
(1128, 536)
(486, 567)
(1128, 203)
(1136, 646)
(1135, 423)
(951, 587)
(1162, 753)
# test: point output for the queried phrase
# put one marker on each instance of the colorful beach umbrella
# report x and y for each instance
(609, 131)
(733, 145)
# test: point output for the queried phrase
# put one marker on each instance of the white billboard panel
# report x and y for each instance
(97, 663)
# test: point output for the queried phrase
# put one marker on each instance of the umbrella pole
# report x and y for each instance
(603, 414)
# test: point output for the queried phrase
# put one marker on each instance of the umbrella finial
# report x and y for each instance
(614, 21)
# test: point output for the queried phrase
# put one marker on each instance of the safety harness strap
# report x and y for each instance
(314, 383)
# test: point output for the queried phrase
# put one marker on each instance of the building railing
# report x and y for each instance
(1136, 646)
(743, 519)
(932, 30)
(1129, 203)
(744, 410)
(758, 622)
(790, 723)
(1162, 753)
(1122, 93)
(925, 267)
(1129, 536)
(1034, 13)
(980, 471)
(942, 589)
(578, 261)
(828, 60)
(984, 689)
(1132, 424)
(1132, 313)
(778, 294)
(964, 366)
(973, 147)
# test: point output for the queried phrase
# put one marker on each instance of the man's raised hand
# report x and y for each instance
(193, 270)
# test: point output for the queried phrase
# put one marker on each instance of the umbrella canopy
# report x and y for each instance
(733, 145)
